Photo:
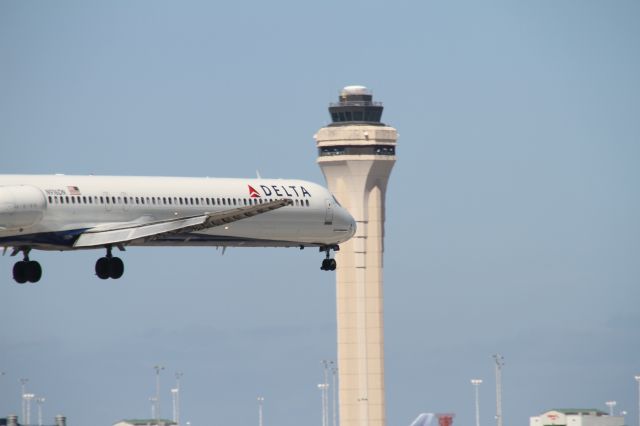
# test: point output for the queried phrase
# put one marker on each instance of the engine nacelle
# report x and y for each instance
(21, 206)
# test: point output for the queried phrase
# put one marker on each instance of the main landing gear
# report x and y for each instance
(109, 266)
(329, 264)
(27, 270)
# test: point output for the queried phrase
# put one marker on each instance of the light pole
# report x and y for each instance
(152, 400)
(179, 374)
(2, 373)
(28, 397)
(325, 364)
(158, 369)
(499, 360)
(476, 384)
(23, 383)
(323, 389)
(334, 371)
(40, 401)
(260, 402)
(174, 397)
(611, 405)
(638, 380)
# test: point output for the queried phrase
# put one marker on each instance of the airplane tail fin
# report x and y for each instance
(423, 419)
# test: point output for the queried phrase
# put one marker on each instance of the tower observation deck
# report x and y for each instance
(357, 108)
(356, 153)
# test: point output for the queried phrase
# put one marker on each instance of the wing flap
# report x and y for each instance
(151, 230)
(100, 237)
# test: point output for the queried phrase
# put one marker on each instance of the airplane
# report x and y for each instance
(64, 212)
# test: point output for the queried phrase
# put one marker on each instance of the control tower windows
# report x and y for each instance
(357, 150)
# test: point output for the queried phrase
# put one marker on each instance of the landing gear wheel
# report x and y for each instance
(20, 272)
(102, 268)
(325, 265)
(34, 271)
(329, 264)
(116, 268)
(332, 264)
(26, 270)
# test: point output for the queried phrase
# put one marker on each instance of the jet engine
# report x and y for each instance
(21, 206)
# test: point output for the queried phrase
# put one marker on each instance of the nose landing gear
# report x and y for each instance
(329, 264)
(27, 270)
(109, 266)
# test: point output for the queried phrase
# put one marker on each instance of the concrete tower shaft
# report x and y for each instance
(356, 157)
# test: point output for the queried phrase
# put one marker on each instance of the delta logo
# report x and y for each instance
(279, 191)
(253, 193)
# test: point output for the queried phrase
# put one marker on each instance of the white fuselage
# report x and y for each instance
(51, 211)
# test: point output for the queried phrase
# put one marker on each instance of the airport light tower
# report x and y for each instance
(356, 153)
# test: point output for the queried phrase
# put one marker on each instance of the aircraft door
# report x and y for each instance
(328, 216)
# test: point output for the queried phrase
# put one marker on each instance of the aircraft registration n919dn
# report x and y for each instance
(59, 212)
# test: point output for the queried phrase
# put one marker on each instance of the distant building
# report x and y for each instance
(12, 420)
(145, 422)
(576, 417)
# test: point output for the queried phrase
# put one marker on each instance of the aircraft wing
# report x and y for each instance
(129, 231)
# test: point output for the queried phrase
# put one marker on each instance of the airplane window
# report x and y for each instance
(125, 200)
(169, 200)
(50, 199)
(61, 200)
(307, 201)
(141, 200)
(197, 202)
(207, 201)
(164, 200)
(234, 201)
(73, 200)
(218, 201)
(131, 200)
(147, 200)
(56, 199)
(180, 199)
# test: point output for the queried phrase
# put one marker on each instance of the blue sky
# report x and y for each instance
(512, 220)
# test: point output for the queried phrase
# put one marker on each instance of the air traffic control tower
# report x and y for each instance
(356, 153)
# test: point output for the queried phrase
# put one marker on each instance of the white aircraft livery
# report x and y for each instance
(59, 212)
